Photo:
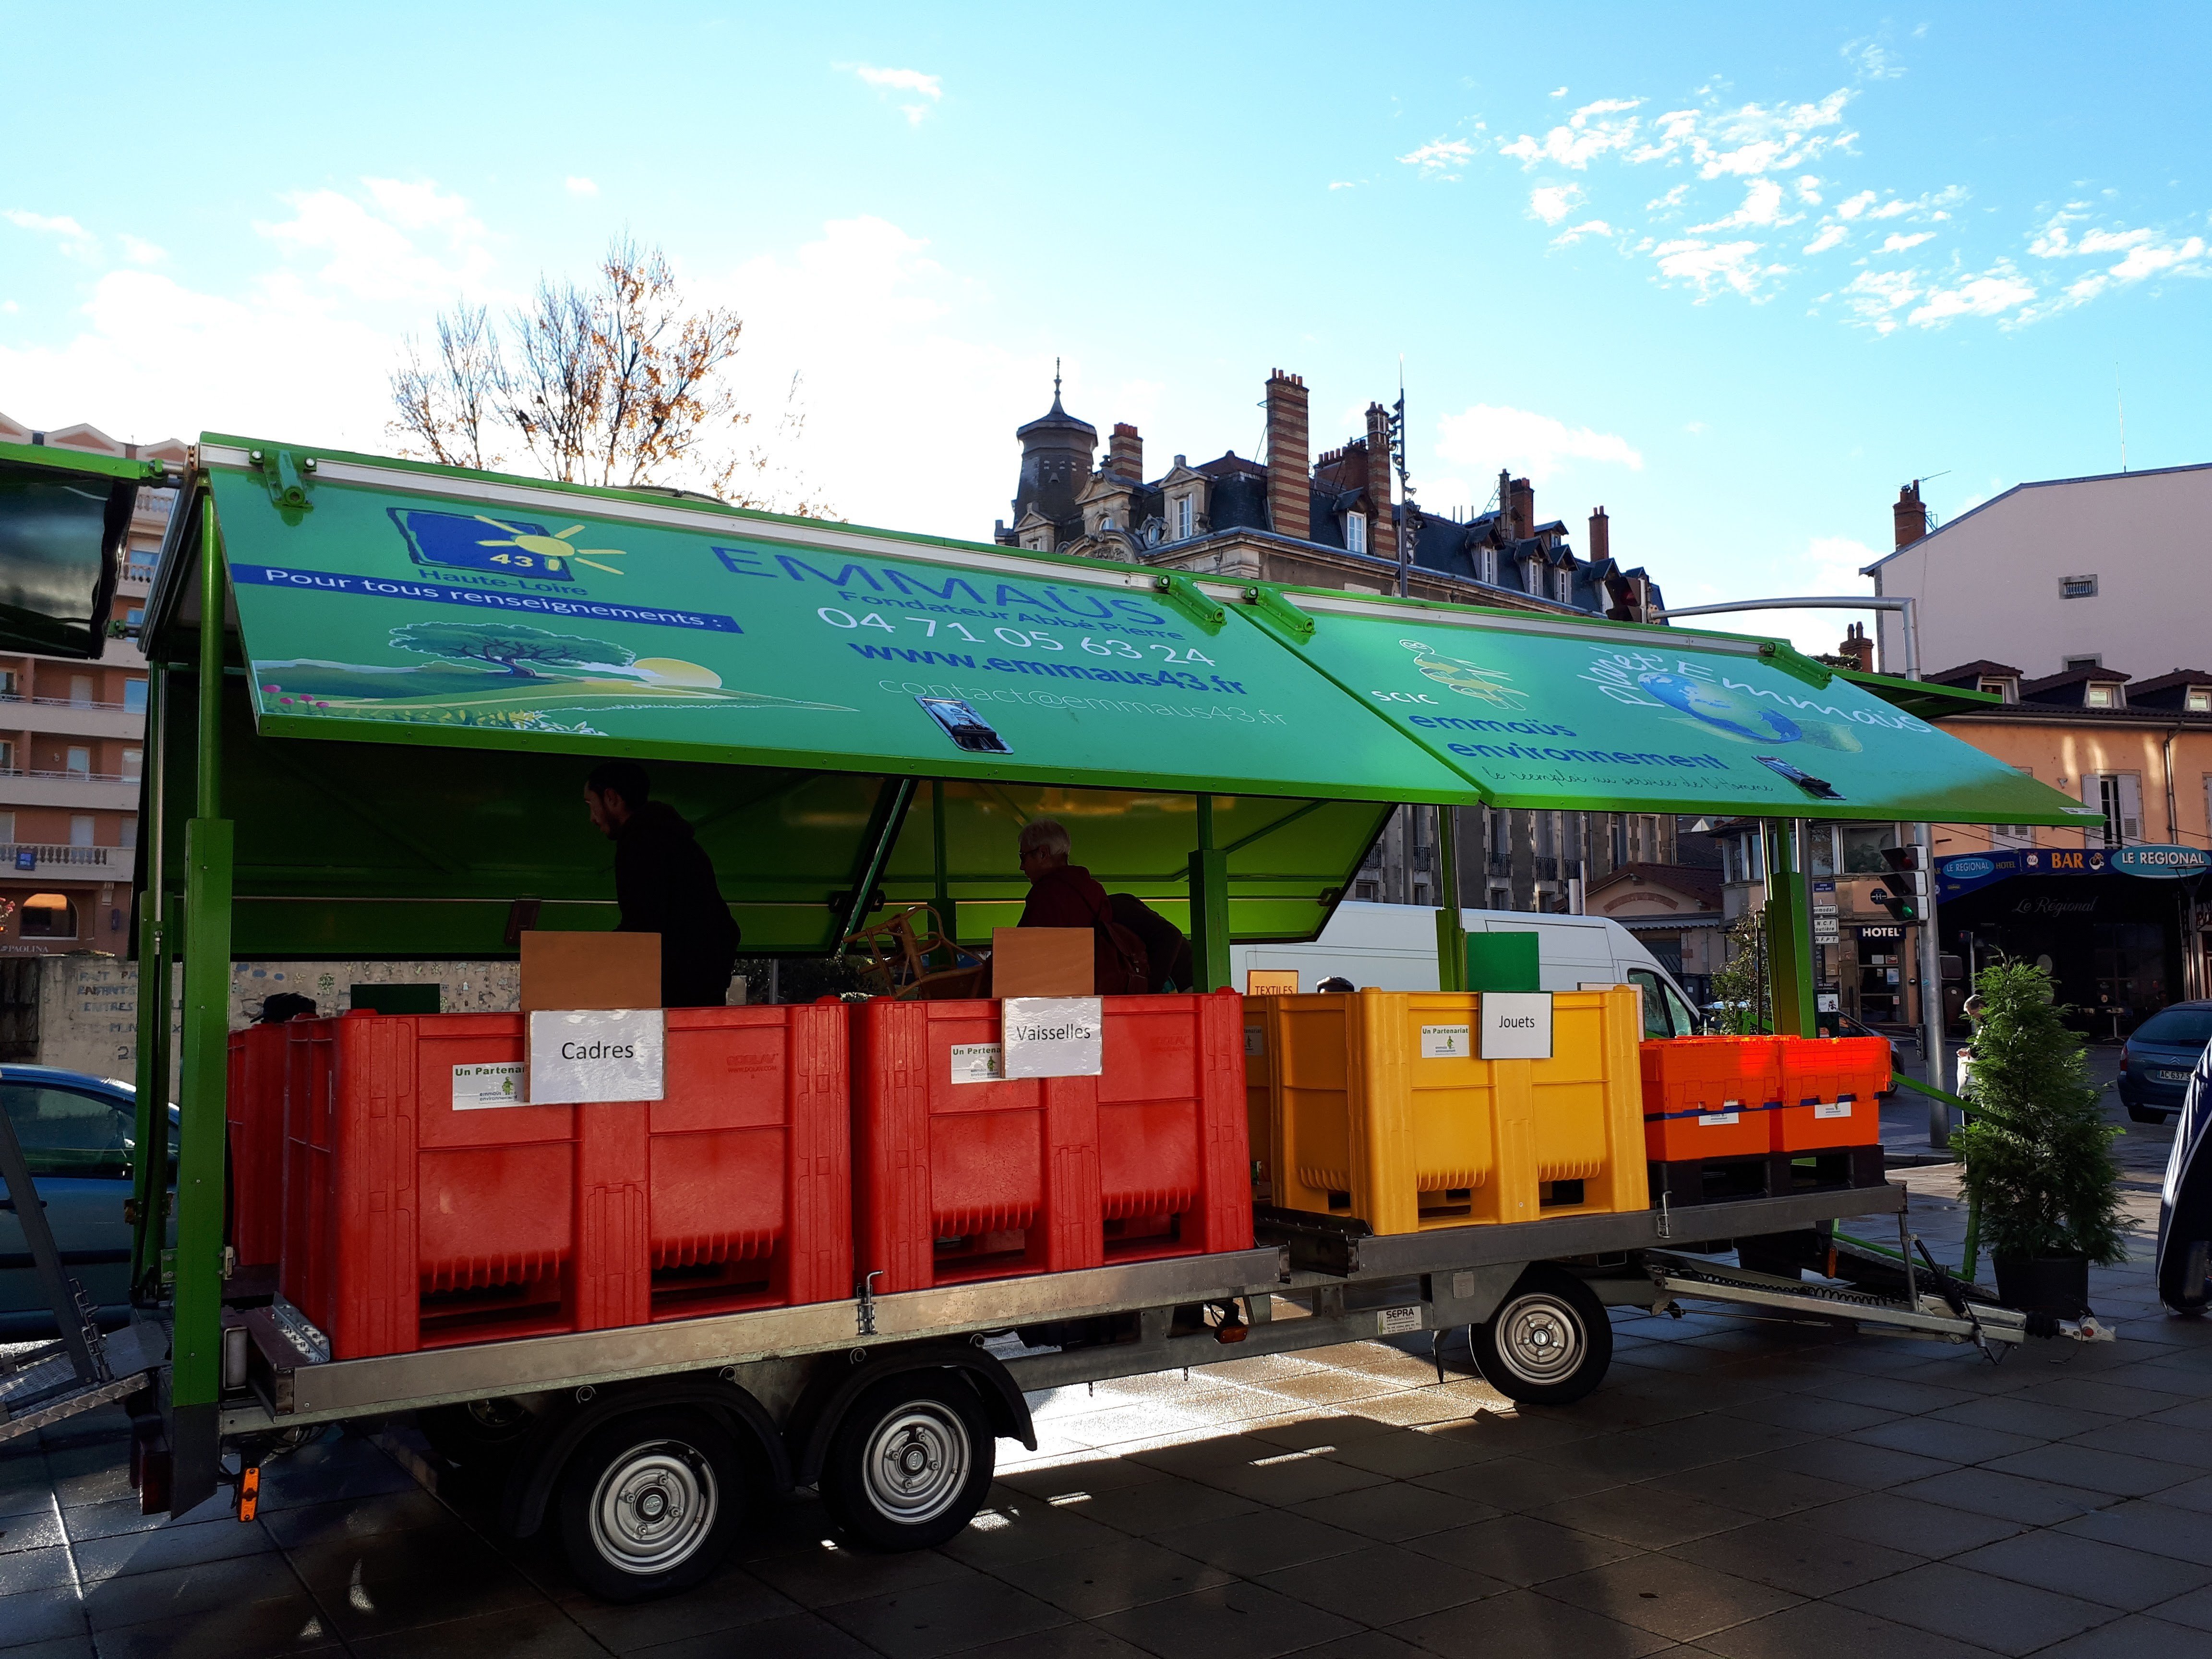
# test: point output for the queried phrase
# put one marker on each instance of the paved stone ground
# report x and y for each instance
(1753, 1492)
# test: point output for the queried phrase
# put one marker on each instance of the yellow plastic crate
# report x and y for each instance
(1360, 1122)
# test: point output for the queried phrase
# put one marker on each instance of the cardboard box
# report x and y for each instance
(1043, 962)
(590, 970)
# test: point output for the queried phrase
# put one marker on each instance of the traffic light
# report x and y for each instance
(1906, 873)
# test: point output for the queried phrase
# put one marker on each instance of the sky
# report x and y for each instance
(1733, 272)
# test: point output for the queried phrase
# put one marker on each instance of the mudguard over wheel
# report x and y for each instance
(650, 1504)
(910, 1462)
(1550, 1341)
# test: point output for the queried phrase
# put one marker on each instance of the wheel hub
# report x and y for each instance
(1539, 1338)
(916, 1463)
(654, 1507)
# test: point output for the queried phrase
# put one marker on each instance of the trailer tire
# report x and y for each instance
(910, 1462)
(1549, 1343)
(650, 1504)
(478, 1433)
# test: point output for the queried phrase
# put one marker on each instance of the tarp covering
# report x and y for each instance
(1612, 719)
(63, 515)
(387, 611)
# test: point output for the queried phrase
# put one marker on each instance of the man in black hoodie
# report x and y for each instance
(666, 884)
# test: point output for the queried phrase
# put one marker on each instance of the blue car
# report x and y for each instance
(2158, 1058)
(77, 1132)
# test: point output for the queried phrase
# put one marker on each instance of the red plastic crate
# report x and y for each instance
(1830, 1087)
(963, 1181)
(254, 1104)
(1709, 1097)
(411, 1223)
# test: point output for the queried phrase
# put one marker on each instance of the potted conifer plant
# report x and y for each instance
(2036, 1152)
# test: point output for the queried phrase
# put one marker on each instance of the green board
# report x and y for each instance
(1640, 719)
(385, 612)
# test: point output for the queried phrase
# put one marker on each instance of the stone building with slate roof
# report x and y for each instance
(1338, 521)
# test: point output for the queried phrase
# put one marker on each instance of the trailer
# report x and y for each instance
(374, 688)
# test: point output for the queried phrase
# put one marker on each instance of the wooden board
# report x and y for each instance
(1043, 962)
(590, 970)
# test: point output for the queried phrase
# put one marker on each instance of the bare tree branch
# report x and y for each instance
(620, 384)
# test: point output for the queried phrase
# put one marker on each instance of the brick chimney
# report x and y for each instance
(1381, 530)
(1290, 488)
(1911, 514)
(1600, 547)
(1523, 515)
(1858, 647)
(1125, 452)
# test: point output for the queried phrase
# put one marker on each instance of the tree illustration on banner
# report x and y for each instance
(514, 650)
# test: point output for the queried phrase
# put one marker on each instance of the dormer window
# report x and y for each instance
(2102, 694)
(1355, 532)
(1563, 585)
(1997, 689)
(2199, 700)
(1532, 572)
(1485, 566)
(1183, 516)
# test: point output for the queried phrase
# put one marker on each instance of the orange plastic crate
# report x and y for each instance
(1711, 1096)
(1830, 1087)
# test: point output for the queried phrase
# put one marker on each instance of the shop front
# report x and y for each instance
(2116, 928)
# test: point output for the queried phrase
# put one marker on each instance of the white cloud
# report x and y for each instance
(1809, 189)
(922, 85)
(577, 184)
(1559, 92)
(1898, 243)
(1440, 158)
(1873, 61)
(1709, 267)
(1761, 205)
(1485, 437)
(1991, 294)
(1829, 237)
(1587, 134)
(1346, 184)
(1553, 203)
(1852, 207)
(1574, 233)
(140, 252)
(375, 249)
(75, 239)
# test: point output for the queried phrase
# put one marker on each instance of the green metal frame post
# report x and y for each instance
(1790, 951)
(150, 1187)
(948, 921)
(1451, 937)
(196, 1377)
(1209, 905)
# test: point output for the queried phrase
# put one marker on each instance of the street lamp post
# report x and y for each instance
(1931, 953)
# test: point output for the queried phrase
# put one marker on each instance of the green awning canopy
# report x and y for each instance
(816, 698)
(63, 516)
(1597, 717)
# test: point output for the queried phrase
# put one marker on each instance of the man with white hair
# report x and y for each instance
(1064, 895)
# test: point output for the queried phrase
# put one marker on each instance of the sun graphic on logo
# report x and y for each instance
(1484, 684)
(555, 547)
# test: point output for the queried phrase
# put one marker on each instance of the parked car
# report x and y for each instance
(2159, 1055)
(76, 1133)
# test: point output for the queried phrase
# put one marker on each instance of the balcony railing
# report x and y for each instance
(70, 776)
(11, 853)
(69, 702)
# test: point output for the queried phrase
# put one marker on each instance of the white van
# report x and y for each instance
(1393, 947)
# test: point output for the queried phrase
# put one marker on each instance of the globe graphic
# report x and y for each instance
(1724, 708)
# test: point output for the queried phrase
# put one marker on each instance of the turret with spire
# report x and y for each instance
(1056, 460)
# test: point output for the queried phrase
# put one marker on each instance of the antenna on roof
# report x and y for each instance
(1055, 379)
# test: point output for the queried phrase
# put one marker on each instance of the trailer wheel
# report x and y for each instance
(649, 1504)
(910, 1462)
(1548, 1344)
(477, 1432)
